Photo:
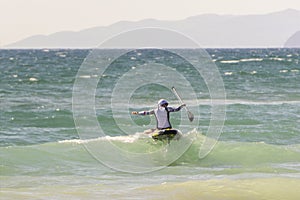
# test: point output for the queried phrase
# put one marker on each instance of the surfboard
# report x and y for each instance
(166, 134)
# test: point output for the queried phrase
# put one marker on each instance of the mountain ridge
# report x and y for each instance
(293, 41)
(209, 30)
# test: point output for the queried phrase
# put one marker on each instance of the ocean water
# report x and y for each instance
(42, 156)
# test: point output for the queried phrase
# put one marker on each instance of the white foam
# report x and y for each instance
(85, 76)
(124, 139)
(243, 60)
(283, 71)
(33, 79)
(228, 73)
(62, 55)
(242, 101)
(78, 141)
(251, 60)
(277, 59)
(229, 61)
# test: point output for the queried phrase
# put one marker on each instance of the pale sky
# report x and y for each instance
(22, 18)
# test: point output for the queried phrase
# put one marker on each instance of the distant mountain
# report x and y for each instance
(209, 30)
(293, 41)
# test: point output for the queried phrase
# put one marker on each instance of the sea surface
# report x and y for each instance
(42, 155)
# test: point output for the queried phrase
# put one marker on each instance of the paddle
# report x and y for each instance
(190, 114)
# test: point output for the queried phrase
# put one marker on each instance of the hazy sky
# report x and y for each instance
(23, 18)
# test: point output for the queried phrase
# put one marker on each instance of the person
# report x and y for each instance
(162, 114)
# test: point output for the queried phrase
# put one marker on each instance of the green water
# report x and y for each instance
(256, 156)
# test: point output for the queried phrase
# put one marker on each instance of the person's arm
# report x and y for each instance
(150, 112)
(170, 109)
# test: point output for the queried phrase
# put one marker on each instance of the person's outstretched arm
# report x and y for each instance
(150, 112)
(170, 109)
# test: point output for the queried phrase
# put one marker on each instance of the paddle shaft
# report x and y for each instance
(190, 114)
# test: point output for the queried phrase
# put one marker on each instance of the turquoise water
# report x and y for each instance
(257, 155)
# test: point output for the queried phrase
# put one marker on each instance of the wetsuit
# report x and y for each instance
(162, 116)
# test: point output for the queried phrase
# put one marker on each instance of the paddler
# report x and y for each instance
(161, 114)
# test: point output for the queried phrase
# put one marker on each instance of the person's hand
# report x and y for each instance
(134, 113)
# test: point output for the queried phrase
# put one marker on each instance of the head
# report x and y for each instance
(163, 103)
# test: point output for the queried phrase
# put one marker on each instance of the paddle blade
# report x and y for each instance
(190, 116)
